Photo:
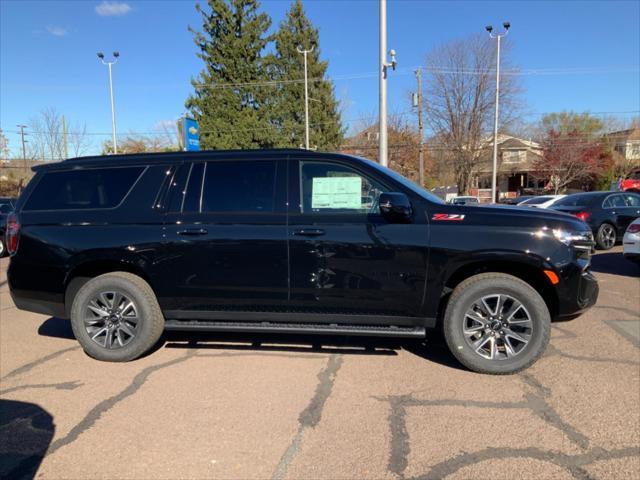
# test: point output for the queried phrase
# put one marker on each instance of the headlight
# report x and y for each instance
(579, 240)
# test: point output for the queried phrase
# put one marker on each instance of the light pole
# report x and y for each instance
(113, 108)
(494, 177)
(382, 120)
(306, 96)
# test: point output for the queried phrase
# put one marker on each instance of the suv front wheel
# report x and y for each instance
(116, 317)
(496, 323)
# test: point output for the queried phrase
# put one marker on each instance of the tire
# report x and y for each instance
(510, 290)
(133, 322)
(606, 236)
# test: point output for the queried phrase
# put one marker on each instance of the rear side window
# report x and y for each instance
(614, 201)
(632, 200)
(245, 186)
(83, 189)
(576, 200)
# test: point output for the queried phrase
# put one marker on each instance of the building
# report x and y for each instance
(516, 158)
(626, 143)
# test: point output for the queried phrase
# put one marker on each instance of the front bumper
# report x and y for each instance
(578, 295)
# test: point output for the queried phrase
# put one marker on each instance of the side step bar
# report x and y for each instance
(304, 328)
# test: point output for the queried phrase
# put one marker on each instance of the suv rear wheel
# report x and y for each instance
(116, 317)
(496, 323)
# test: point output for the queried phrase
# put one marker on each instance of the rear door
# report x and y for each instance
(616, 210)
(226, 238)
(345, 258)
(631, 210)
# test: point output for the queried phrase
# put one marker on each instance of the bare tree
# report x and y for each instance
(460, 95)
(4, 146)
(78, 141)
(46, 139)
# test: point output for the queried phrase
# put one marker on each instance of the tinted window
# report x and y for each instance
(83, 189)
(177, 188)
(576, 200)
(194, 189)
(242, 186)
(405, 182)
(614, 201)
(632, 200)
(332, 188)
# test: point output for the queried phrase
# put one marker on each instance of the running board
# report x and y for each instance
(304, 328)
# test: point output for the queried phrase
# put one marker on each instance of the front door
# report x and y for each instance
(345, 258)
(226, 239)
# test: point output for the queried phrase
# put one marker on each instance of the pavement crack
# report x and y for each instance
(311, 415)
(96, 412)
(57, 386)
(571, 463)
(29, 366)
(400, 443)
(552, 350)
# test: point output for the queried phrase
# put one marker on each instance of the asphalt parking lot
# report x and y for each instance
(227, 406)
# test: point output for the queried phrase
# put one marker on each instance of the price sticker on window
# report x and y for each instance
(337, 192)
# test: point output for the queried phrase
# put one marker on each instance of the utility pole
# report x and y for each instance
(113, 109)
(382, 113)
(494, 176)
(24, 150)
(420, 126)
(64, 138)
(306, 96)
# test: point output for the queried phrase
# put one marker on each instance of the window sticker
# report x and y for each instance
(337, 192)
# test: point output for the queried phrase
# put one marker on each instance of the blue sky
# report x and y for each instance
(47, 55)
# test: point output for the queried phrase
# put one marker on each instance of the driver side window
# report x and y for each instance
(334, 188)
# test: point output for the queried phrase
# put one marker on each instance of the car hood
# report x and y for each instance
(508, 216)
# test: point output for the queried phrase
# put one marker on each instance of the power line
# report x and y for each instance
(314, 124)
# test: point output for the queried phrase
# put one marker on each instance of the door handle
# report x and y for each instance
(309, 232)
(192, 231)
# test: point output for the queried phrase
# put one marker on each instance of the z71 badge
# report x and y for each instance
(447, 217)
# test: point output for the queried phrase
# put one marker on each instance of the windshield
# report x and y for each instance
(405, 182)
(537, 200)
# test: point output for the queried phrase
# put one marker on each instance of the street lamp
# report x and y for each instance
(306, 95)
(494, 178)
(113, 110)
(382, 73)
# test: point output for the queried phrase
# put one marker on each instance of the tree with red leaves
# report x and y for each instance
(570, 157)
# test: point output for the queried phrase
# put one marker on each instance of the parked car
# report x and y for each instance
(631, 242)
(464, 200)
(7, 205)
(543, 201)
(631, 183)
(517, 200)
(282, 241)
(607, 213)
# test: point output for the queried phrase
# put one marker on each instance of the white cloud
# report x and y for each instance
(109, 9)
(56, 31)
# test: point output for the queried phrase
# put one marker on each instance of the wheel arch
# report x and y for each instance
(85, 271)
(529, 272)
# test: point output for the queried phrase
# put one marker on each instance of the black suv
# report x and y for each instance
(288, 241)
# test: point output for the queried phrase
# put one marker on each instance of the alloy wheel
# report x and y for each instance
(111, 319)
(497, 327)
(608, 236)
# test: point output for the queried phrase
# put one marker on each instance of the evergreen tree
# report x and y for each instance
(229, 93)
(286, 65)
